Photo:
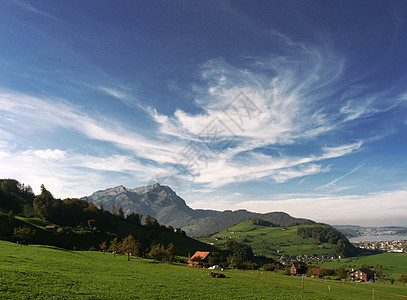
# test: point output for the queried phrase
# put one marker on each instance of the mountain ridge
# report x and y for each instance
(162, 203)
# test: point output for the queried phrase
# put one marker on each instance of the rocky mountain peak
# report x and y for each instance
(162, 203)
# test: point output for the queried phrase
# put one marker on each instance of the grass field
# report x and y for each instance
(394, 264)
(44, 272)
(268, 240)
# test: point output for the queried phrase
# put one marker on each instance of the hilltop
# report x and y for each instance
(162, 203)
(270, 239)
(79, 224)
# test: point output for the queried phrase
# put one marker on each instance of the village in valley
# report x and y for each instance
(395, 246)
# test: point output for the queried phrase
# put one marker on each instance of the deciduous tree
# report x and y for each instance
(114, 246)
(103, 247)
(130, 246)
(24, 234)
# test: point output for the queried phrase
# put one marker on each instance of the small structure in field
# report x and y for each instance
(199, 260)
(51, 228)
(362, 274)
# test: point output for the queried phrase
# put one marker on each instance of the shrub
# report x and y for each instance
(269, 267)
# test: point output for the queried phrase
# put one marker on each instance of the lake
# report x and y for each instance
(378, 238)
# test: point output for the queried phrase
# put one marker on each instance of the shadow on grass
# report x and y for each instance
(57, 248)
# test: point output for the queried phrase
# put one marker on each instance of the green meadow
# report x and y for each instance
(266, 240)
(393, 264)
(45, 272)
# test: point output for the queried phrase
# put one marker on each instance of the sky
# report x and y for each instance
(294, 106)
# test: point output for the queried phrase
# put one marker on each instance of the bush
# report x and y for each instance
(269, 267)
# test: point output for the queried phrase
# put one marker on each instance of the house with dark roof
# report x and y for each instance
(199, 260)
(362, 274)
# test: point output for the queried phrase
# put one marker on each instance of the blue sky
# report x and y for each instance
(295, 106)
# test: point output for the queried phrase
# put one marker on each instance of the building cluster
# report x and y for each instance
(399, 246)
(306, 258)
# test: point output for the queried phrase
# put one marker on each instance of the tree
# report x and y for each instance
(120, 212)
(342, 273)
(269, 267)
(159, 252)
(170, 252)
(114, 210)
(11, 218)
(103, 247)
(43, 203)
(215, 259)
(114, 246)
(241, 251)
(92, 207)
(151, 222)
(325, 272)
(130, 246)
(402, 278)
(24, 234)
(379, 271)
(134, 218)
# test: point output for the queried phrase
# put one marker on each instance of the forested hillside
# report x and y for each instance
(77, 223)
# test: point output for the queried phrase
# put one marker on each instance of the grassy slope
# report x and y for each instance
(43, 272)
(84, 240)
(274, 239)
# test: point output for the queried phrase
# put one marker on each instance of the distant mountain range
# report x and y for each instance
(162, 203)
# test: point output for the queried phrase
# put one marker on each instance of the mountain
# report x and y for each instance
(158, 201)
(162, 203)
(80, 225)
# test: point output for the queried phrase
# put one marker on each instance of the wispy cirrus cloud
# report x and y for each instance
(64, 172)
(243, 108)
(123, 95)
(115, 93)
(331, 186)
(57, 113)
(36, 11)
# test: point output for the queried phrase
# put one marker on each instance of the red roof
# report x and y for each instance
(199, 254)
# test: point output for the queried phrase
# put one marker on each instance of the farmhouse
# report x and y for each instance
(51, 228)
(362, 274)
(199, 260)
(298, 268)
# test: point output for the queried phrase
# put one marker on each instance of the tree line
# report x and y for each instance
(70, 214)
(328, 234)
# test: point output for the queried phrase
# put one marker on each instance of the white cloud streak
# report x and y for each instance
(332, 185)
(65, 172)
(269, 101)
(57, 113)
